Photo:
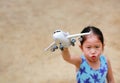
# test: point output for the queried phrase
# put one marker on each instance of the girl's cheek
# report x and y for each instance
(87, 52)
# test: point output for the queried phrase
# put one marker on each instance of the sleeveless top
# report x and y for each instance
(87, 74)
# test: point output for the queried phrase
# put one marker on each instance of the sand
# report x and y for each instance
(26, 28)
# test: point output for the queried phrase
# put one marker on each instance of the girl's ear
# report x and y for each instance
(103, 47)
(81, 47)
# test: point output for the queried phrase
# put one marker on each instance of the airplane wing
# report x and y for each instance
(77, 35)
(50, 46)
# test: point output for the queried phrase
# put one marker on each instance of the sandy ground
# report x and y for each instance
(26, 28)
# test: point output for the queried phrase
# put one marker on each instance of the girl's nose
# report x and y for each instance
(93, 51)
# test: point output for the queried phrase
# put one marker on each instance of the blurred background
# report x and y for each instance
(26, 28)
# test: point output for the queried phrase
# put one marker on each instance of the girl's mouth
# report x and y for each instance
(93, 57)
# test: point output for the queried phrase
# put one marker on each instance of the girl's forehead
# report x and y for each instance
(92, 39)
(91, 36)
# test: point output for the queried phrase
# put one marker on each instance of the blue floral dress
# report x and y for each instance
(87, 74)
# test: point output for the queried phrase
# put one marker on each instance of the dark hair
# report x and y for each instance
(95, 31)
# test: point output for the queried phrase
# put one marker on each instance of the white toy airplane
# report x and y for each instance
(62, 39)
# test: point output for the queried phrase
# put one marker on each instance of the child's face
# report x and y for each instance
(92, 47)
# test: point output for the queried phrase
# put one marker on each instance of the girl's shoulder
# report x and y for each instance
(105, 58)
(108, 60)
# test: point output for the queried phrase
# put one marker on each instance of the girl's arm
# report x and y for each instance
(110, 77)
(76, 60)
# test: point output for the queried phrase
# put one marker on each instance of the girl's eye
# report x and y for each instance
(88, 47)
(96, 46)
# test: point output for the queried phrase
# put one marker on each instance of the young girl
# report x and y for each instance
(92, 66)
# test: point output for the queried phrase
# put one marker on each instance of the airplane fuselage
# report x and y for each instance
(61, 38)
